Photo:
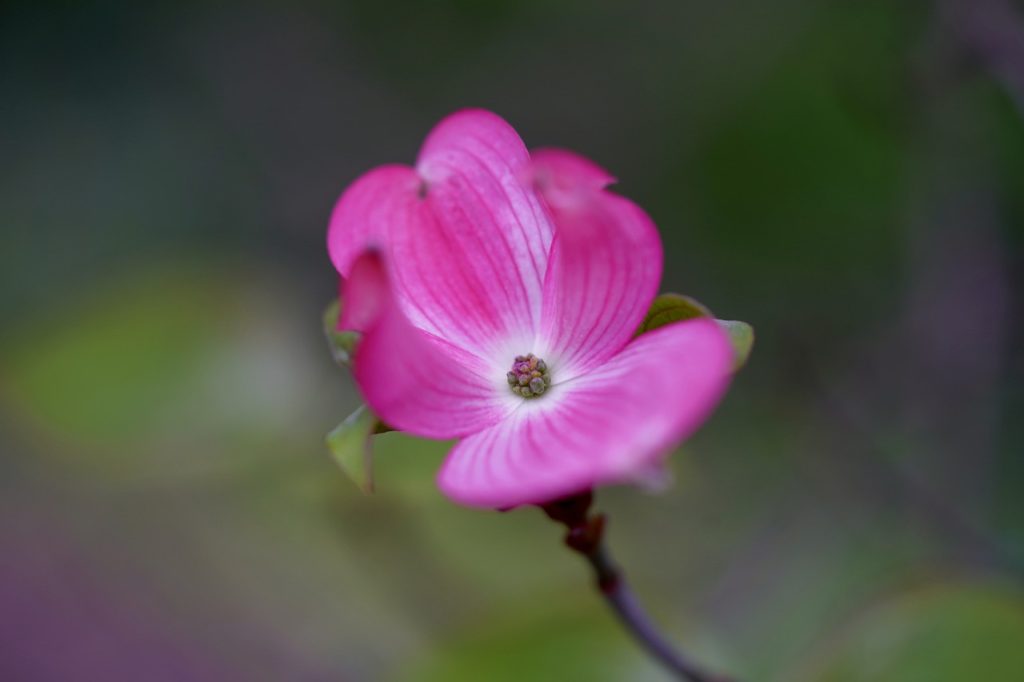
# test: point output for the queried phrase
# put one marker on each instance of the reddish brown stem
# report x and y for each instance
(585, 536)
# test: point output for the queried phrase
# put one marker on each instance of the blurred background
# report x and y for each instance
(846, 176)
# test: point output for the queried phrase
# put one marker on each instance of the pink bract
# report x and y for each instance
(483, 252)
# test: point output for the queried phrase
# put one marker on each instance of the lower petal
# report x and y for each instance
(610, 425)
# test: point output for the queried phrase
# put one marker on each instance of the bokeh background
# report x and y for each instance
(847, 176)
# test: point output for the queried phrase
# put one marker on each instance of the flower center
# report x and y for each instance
(529, 376)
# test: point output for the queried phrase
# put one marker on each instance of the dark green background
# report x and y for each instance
(843, 175)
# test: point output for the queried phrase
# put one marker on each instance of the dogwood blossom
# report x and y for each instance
(498, 293)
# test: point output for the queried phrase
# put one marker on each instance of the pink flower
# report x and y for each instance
(498, 293)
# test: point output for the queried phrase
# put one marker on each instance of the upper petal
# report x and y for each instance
(611, 425)
(466, 237)
(604, 268)
(412, 380)
(490, 224)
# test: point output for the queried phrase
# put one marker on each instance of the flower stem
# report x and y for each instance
(585, 536)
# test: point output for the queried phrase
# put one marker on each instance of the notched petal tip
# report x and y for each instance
(467, 130)
(565, 177)
(364, 213)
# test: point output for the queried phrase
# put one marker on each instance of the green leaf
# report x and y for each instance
(669, 308)
(351, 448)
(341, 343)
(741, 335)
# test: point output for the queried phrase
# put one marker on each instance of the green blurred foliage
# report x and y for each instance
(108, 368)
(940, 634)
(557, 646)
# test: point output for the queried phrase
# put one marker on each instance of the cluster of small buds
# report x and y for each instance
(529, 377)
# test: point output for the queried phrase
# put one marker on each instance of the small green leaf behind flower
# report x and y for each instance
(741, 335)
(342, 344)
(669, 308)
(351, 441)
(351, 445)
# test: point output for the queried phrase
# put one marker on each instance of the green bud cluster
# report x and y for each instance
(529, 376)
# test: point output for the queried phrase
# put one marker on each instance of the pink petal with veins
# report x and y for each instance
(412, 380)
(604, 268)
(560, 170)
(611, 425)
(466, 237)
(368, 211)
